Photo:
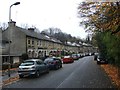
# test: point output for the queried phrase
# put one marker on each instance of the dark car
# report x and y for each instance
(101, 60)
(32, 67)
(53, 62)
(95, 56)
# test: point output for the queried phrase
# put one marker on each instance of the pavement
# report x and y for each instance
(4, 75)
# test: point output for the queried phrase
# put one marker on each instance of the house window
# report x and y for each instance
(40, 43)
(45, 43)
(32, 42)
(5, 59)
(28, 41)
(37, 42)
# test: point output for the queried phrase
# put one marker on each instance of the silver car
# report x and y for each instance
(32, 67)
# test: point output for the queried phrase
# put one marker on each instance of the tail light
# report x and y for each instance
(71, 59)
(54, 62)
(51, 62)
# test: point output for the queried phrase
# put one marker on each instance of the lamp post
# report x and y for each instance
(16, 3)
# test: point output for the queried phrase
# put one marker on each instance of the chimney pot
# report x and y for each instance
(12, 23)
(31, 29)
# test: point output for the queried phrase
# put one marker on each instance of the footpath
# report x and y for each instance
(5, 79)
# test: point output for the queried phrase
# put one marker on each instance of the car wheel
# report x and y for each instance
(60, 66)
(48, 70)
(98, 62)
(37, 74)
(20, 76)
(56, 67)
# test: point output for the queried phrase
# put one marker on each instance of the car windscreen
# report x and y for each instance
(27, 63)
(48, 60)
(100, 56)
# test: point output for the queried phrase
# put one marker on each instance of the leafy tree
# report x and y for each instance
(24, 56)
(103, 20)
(100, 16)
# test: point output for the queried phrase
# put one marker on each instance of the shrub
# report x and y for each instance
(24, 56)
(4, 67)
(15, 65)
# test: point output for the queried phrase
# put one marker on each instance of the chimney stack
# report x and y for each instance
(12, 23)
(31, 29)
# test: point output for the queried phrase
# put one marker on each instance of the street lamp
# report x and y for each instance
(17, 3)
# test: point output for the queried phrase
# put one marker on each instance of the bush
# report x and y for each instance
(4, 67)
(24, 56)
(109, 46)
(15, 65)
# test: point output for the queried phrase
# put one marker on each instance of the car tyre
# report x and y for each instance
(64, 62)
(98, 62)
(60, 66)
(56, 67)
(20, 76)
(48, 70)
(37, 74)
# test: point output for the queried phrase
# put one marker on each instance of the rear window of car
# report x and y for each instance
(66, 56)
(39, 62)
(49, 59)
(27, 63)
(73, 54)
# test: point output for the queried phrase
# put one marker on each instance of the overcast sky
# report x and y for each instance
(44, 14)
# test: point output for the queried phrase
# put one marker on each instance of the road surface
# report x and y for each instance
(83, 73)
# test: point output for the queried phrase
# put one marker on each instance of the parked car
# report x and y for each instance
(79, 55)
(53, 62)
(95, 56)
(82, 54)
(101, 60)
(32, 67)
(75, 56)
(67, 59)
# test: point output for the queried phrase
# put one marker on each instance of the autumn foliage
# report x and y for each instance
(102, 19)
(112, 72)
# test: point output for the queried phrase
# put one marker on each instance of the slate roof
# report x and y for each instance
(37, 35)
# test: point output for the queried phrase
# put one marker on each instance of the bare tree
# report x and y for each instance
(3, 26)
(26, 26)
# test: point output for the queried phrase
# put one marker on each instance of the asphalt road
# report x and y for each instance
(83, 73)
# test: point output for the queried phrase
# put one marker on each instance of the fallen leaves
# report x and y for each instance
(10, 80)
(112, 72)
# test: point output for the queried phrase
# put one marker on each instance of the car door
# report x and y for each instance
(40, 66)
(44, 66)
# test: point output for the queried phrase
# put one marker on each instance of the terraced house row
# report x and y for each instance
(17, 41)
